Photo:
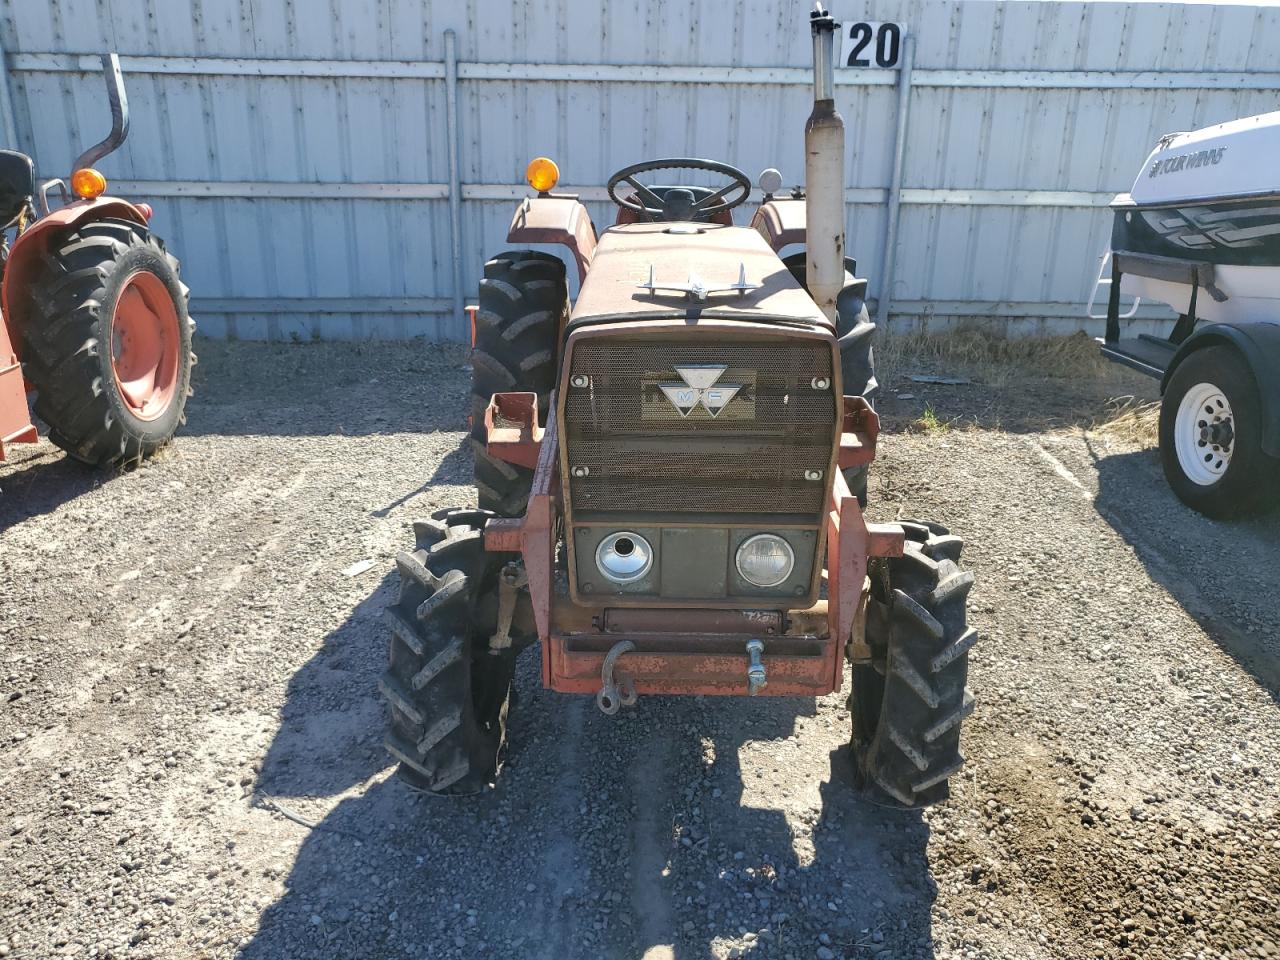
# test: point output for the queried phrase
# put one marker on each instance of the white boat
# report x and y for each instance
(1200, 231)
(1209, 198)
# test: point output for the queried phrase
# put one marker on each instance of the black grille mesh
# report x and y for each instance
(642, 455)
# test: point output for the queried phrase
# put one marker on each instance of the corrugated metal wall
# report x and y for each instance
(297, 152)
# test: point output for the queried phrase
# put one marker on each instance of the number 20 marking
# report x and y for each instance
(888, 43)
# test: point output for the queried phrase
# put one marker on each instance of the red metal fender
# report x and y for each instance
(27, 255)
(560, 220)
(781, 223)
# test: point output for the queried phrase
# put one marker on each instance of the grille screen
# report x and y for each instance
(641, 454)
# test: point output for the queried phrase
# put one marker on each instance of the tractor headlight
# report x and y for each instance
(624, 557)
(765, 560)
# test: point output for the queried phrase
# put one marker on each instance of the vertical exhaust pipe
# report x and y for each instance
(824, 172)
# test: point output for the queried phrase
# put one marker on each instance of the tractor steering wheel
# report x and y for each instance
(679, 203)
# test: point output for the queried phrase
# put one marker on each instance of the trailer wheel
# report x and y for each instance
(909, 702)
(108, 348)
(448, 694)
(523, 299)
(1211, 436)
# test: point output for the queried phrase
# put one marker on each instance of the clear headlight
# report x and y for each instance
(765, 560)
(623, 557)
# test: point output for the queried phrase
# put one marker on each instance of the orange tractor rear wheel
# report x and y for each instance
(108, 348)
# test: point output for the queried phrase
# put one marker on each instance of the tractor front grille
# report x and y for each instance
(630, 449)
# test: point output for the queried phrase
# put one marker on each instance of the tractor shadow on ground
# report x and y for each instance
(38, 481)
(1223, 573)
(669, 831)
(329, 389)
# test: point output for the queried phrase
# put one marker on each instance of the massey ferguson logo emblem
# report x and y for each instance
(701, 386)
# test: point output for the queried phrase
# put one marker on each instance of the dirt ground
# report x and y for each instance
(190, 731)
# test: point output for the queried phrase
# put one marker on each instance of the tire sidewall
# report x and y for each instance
(1235, 491)
(145, 257)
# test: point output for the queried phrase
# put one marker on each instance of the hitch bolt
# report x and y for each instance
(820, 383)
(580, 380)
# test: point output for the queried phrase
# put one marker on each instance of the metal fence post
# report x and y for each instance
(895, 183)
(455, 180)
(7, 115)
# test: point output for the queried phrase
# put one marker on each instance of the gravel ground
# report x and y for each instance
(190, 735)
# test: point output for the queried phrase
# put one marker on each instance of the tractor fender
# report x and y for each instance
(26, 258)
(1259, 344)
(561, 220)
(782, 222)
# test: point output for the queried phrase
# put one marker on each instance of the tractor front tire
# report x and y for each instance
(523, 300)
(108, 345)
(908, 703)
(448, 693)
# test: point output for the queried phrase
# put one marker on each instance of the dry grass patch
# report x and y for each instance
(991, 359)
(1131, 419)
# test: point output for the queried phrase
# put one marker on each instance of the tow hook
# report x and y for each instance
(756, 680)
(612, 695)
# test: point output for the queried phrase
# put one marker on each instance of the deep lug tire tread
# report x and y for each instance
(523, 297)
(448, 697)
(66, 343)
(909, 704)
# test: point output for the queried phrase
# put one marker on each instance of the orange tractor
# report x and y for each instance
(95, 319)
(669, 478)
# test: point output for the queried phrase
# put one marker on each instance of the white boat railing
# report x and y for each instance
(1104, 280)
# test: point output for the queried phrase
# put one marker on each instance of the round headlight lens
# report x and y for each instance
(765, 560)
(624, 556)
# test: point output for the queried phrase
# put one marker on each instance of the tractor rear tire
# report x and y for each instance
(523, 300)
(908, 703)
(449, 695)
(108, 345)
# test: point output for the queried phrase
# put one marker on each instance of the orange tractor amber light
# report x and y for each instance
(542, 174)
(88, 183)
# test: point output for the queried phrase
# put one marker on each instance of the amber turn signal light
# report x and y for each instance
(542, 174)
(88, 183)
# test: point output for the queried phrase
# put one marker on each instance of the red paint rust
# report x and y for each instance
(513, 444)
(846, 565)
(560, 220)
(791, 669)
(859, 431)
(781, 223)
(885, 540)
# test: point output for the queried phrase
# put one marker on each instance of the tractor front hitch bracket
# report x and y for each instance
(859, 430)
(533, 535)
(511, 428)
(851, 542)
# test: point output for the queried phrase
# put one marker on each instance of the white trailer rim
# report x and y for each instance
(1203, 434)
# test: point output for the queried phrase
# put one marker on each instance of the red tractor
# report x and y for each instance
(95, 317)
(688, 519)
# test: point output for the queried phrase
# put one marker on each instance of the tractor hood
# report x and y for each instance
(690, 255)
